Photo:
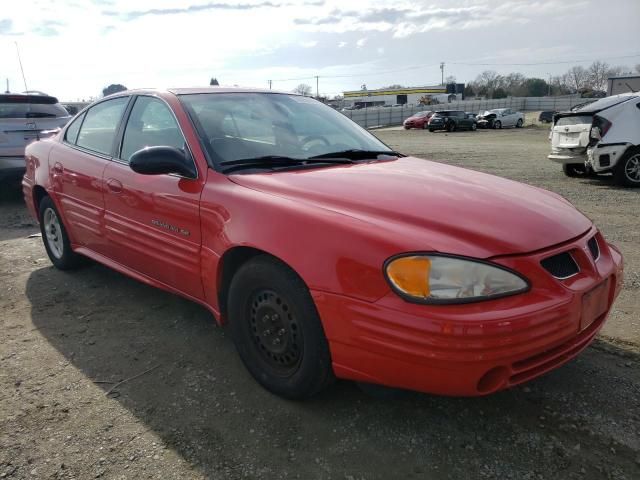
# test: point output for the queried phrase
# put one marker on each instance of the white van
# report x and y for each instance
(601, 137)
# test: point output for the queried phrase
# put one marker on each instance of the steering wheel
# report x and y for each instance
(313, 138)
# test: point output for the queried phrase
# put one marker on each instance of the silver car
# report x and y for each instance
(23, 118)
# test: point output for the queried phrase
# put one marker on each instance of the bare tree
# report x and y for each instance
(576, 78)
(637, 68)
(450, 79)
(598, 73)
(303, 89)
(489, 80)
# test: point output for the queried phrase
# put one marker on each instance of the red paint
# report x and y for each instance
(417, 122)
(335, 226)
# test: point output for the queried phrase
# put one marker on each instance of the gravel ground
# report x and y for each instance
(195, 412)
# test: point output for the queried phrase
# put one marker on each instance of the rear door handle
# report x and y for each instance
(115, 186)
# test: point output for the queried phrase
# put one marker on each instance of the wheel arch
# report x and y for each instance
(39, 192)
(229, 263)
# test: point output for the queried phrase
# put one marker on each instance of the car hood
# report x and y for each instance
(429, 206)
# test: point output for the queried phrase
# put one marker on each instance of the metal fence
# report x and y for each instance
(388, 116)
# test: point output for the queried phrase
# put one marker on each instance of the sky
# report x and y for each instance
(74, 48)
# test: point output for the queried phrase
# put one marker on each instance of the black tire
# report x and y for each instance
(406, 128)
(266, 294)
(627, 171)
(55, 238)
(574, 170)
(431, 130)
(451, 127)
(519, 123)
(425, 126)
(497, 124)
(474, 127)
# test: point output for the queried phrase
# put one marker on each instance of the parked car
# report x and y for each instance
(327, 253)
(23, 118)
(600, 137)
(546, 116)
(418, 120)
(451, 120)
(501, 117)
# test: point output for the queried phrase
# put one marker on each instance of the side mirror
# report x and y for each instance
(162, 160)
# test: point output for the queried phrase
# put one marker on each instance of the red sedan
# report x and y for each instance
(327, 253)
(418, 120)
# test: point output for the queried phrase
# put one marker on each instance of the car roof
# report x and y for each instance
(212, 89)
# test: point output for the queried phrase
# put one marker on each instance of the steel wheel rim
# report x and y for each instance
(275, 331)
(53, 233)
(632, 168)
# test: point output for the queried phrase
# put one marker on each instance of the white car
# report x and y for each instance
(501, 117)
(601, 137)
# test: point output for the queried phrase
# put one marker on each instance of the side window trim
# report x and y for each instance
(117, 157)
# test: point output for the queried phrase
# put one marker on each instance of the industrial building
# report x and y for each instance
(405, 96)
(623, 84)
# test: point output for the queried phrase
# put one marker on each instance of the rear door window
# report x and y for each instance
(100, 125)
(71, 135)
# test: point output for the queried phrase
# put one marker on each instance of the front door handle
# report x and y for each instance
(58, 168)
(114, 186)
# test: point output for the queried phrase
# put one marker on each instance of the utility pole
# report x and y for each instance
(269, 84)
(7, 85)
(549, 84)
(317, 87)
(442, 71)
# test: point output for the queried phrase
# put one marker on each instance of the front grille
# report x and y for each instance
(594, 248)
(561, 266)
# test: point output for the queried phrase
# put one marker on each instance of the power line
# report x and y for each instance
(417, 67)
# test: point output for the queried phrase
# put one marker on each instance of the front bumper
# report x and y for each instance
(603, 158)
(472, 349)
(11, 168)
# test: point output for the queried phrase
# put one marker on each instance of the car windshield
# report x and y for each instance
(250, 126)
(442, 114)
(421, 114)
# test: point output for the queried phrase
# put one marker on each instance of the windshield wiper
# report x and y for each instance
(269, 161)
(357, 154)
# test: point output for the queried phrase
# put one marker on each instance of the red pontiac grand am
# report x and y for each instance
(327, 253)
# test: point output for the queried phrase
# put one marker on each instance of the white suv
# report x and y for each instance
(601, 137)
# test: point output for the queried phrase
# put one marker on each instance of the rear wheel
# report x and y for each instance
(497, 124)
(55, 238)
(574, 170)
(276, 329)
(451, 127)
(519, 123)
(627, 170)
(474, 126)
(425, 125)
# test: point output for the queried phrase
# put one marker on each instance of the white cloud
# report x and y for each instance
(342, 44)
(309, 44)
(361, 42)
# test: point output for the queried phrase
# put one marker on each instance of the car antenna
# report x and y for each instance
(629, 87)
(24, 79)
(26, 90)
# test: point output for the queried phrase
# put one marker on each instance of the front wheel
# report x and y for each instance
(425, 126)
(627, 171)
(55, 238)
(276, 329)
(497, 124)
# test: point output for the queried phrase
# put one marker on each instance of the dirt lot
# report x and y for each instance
(196, 413)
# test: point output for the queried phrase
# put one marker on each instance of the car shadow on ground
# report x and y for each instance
(15, 221)
(203, 404)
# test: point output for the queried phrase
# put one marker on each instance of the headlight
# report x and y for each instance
(446, 279)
